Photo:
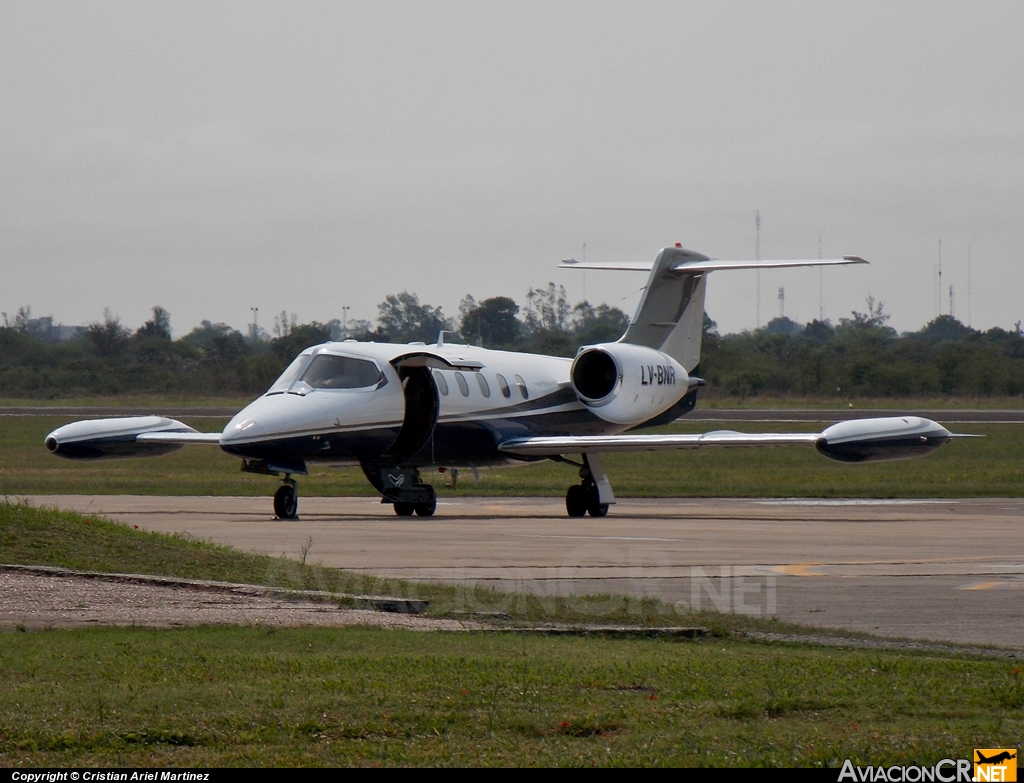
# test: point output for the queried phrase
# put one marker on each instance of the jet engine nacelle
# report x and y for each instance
(627, 384)
(113, 438)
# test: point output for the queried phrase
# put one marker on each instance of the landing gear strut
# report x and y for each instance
(286, 499)
(585, 498)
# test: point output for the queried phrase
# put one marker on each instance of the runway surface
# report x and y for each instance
(944, 570)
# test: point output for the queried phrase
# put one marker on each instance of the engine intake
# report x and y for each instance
(594, 375)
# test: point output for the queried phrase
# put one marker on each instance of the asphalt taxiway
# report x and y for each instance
(942, 570)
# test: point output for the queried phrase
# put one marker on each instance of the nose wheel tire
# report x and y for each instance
(405, 509)
(286, 502)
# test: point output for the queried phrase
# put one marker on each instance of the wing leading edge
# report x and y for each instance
(609, 444)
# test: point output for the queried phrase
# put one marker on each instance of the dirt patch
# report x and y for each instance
(38, 600)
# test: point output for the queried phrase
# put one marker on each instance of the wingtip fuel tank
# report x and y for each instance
(113, 438)
(878, 440)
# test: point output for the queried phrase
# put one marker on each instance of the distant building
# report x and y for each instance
(44, 329)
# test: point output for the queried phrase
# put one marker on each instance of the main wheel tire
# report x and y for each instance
(427, 508)
(405, 509)
(286, 502)
(576, 501)
(593, 501)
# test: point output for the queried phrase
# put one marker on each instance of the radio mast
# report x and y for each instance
(757, 255)
(821, 295)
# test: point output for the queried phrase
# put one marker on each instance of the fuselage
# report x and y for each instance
(469, 398)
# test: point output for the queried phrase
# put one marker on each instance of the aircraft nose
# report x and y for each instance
(273, 416)
(244, 427)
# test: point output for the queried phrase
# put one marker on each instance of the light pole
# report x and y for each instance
(344, 321)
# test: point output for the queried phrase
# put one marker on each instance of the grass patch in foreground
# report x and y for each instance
(251, 696)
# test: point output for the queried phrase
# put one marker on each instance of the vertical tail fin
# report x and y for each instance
(670, 316)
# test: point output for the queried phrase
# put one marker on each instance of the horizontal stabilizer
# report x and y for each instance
(712, 264)
(625, 266)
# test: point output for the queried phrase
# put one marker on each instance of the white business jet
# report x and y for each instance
(395, 410)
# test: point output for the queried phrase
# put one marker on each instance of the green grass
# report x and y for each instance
(154, 401)
(989, 467)
(718, 398)
(250, 696)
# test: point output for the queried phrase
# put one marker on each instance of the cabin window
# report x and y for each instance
(463, 386)
(484, 388)
(340, 372)
(503, 385)
(442, 384)
(522, 387)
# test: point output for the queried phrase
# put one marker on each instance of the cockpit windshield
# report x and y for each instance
(341, 372)
(326, 371)
(291, 374)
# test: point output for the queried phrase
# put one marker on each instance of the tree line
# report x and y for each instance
(215, 359)
(856, 357)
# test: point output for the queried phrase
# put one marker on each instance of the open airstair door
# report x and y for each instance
(421, 408)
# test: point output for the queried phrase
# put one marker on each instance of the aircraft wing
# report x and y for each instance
(603, 444)
(180, 438)
(859, 440)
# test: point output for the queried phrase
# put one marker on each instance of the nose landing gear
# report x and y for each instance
(286, 499)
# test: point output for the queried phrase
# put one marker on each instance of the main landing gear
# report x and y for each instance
(585, 498)
(404, 489)
(582, 499)
(286, 499)
(423, 508)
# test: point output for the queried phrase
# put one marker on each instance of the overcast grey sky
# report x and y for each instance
(211, 157)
